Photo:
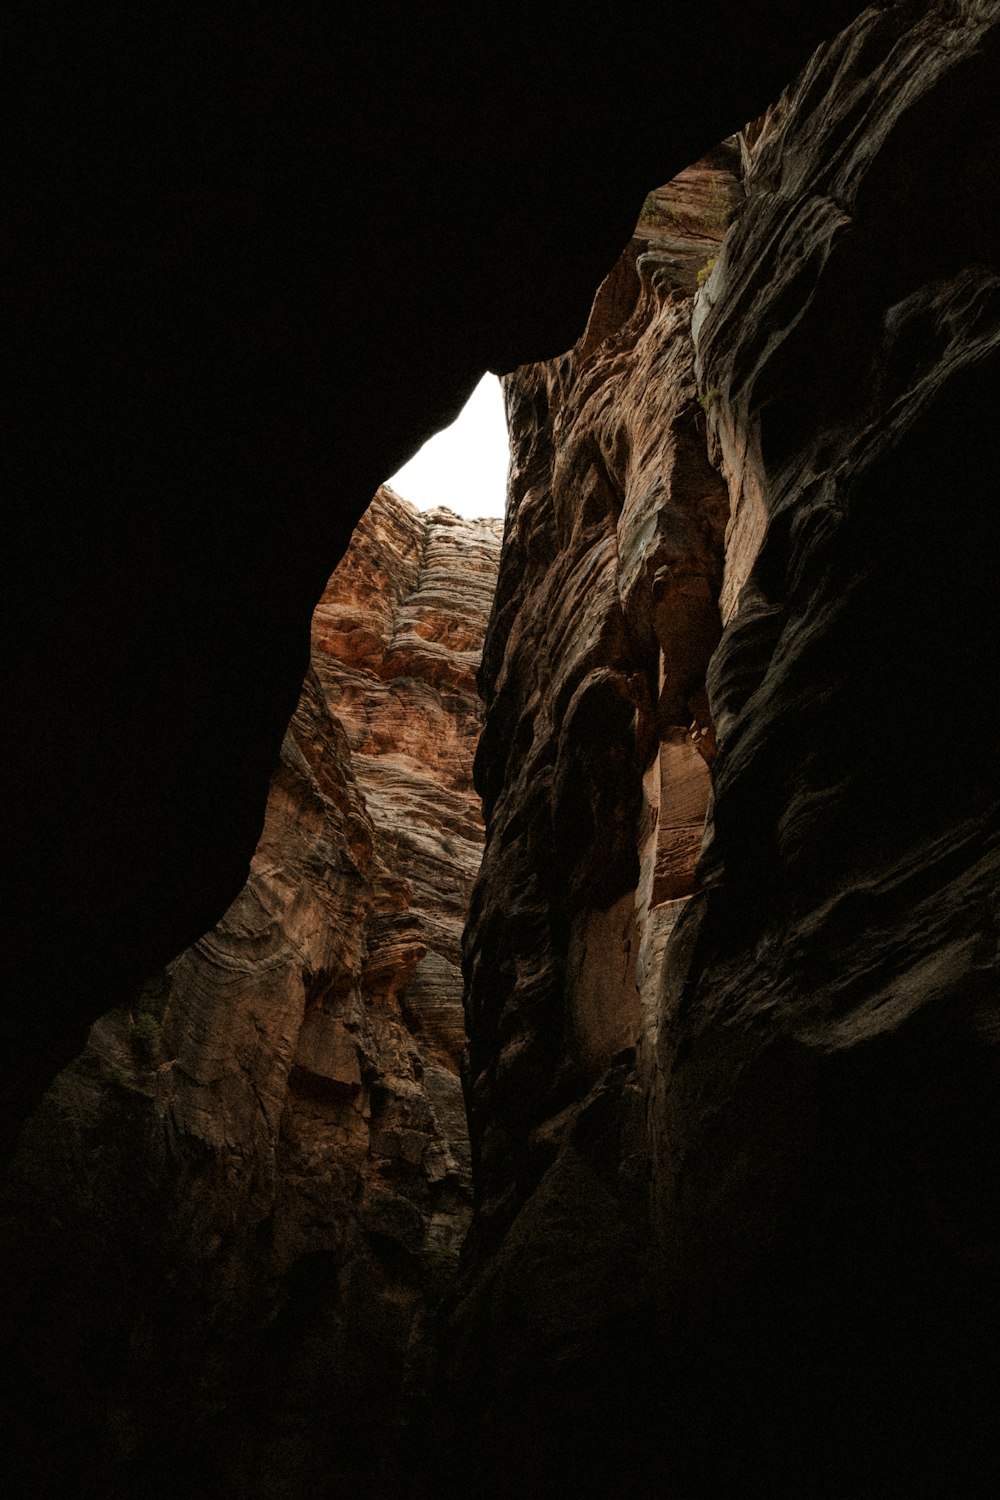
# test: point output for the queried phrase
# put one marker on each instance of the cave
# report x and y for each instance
(504, 1008)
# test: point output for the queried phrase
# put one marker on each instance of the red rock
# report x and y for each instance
(594, 675)
(739, 1217)
(286, 1095)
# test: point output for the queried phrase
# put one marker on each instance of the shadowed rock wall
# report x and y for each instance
(737, 1199)
(259, 254)
(737, 1213)
(229, 1220)
(604, 620)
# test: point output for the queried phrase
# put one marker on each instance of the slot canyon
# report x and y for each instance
(504, 1007)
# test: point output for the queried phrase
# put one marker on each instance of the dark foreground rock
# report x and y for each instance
(737, 1218)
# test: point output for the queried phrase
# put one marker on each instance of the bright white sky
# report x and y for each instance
(465, 466)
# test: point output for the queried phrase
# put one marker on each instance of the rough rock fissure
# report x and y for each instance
(731, 955)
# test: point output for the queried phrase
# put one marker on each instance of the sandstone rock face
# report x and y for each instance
(594, 770)
(737, 1225)
(836, 980)
(594, 676)
(228, 326)
(230, 1218)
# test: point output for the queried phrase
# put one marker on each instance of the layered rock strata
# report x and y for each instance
(594, 767)
(228, 1220)
(594, 763)
(259, 255)
(737, 1215)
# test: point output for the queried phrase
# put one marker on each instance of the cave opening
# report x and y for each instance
(463, 466)
(293, 1169)
(730, 1170)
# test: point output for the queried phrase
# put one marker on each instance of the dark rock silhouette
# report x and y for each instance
(757, 1250)
(731, 959)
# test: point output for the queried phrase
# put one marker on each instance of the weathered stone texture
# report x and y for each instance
(260, 1174)
(777, 1221)
(827, 1117)
(258, 255)
(604, 621)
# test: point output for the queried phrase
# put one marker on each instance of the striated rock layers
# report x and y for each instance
(737, 1129)
(222, 347)
(229, 1219)
(594, 763)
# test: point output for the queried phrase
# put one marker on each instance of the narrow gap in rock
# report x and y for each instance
(464, 466)
(273, 1134)
(592, 1091)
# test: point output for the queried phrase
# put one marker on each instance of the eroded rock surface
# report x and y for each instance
(594, 770)
(259, 255)
(828, 1116)
(604, 622)
(761, 1254)
(229, 1219)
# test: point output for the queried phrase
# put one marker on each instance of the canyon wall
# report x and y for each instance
(731, 957)
(229, 1221)
(260, 254)
(604, 621)
(732, 954)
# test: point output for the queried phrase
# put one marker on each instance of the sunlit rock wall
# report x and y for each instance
(605, 618)
(230, 1218)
